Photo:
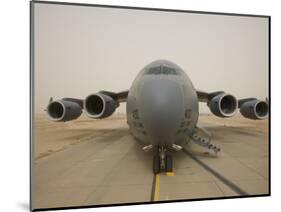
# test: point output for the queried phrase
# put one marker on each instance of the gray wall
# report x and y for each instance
(81, 50)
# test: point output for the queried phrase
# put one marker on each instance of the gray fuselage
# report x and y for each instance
(162, 105)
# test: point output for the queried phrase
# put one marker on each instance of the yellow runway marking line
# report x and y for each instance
(157, 186)
(170, 174)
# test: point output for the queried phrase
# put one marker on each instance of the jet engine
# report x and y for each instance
(100, 105)
(254, 109)
(223, 105)
(63, 110)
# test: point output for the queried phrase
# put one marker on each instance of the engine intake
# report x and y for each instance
(223, 105)
(254, 109)
(100, 105)
(62, 110)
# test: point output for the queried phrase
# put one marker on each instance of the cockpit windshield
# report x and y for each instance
(162, 70)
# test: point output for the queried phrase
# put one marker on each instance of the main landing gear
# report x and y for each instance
(162, 159)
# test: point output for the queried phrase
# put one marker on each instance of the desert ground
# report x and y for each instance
(95, 162)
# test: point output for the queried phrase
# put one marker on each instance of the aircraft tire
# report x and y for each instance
(156, 164)
(169, 163)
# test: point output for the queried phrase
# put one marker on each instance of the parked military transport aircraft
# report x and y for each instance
(162, 110)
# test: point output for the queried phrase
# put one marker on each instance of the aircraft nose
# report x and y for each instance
(161, 108)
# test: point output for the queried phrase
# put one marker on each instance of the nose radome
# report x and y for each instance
(161, 106)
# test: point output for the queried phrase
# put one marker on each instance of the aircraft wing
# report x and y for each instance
(120, 96)
(205, 97)
(225, 105)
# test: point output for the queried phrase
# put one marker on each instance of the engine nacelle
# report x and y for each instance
(100, 105)
(63, 110)
(254, 109)
(223, 105)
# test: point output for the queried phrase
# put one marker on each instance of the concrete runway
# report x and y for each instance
(94, 162)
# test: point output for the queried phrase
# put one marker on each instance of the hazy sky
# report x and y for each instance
(81, 50)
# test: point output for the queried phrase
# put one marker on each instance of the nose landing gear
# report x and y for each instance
(162, 159)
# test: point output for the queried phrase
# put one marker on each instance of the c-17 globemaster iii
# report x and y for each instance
(162, 110)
